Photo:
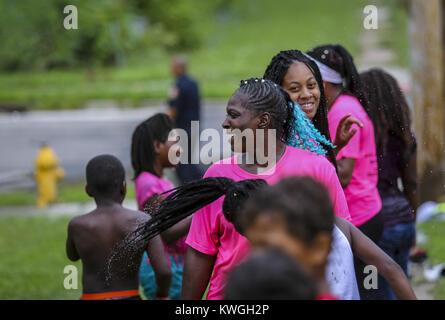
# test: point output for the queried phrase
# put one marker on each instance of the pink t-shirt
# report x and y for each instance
(147, 185)
(210, 233)
(362, 195)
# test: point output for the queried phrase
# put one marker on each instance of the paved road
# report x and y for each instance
(76, 136)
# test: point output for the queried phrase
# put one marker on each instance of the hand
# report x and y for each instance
(344, 134)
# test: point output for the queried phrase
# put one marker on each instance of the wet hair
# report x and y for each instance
(288, 119)
(277, 70)
(105, 175)
(336, 57)
(155, 128)
(300, 202)
(190, 197)
(388, 109)
(270, 274)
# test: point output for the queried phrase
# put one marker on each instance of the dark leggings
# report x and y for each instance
(373, 229)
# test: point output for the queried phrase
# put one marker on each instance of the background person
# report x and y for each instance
(396, 154)
(184, 107)
(356, 161)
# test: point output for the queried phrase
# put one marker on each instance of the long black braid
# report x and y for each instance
(188, 198)
(155, 128)
(336, 57)
(276, 71)
(388, 110)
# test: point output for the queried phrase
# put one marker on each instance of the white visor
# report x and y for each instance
(327, 74)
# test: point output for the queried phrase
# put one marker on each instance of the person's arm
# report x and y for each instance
(410, 182)
(175, 232)
(345, 168)
(71, 250)
(173, 97)
(159, 262)
(367, 251)
(198, 269)
(343, 133)
(410, 189)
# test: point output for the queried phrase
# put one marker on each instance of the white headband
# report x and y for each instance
(327, 74)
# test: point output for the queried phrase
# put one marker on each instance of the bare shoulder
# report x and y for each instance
(76, 222)
(135, 217)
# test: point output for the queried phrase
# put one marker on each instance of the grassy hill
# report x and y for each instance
(238, 44)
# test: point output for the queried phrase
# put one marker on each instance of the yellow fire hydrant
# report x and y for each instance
(47, 173)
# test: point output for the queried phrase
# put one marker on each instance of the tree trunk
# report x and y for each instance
(427, 44)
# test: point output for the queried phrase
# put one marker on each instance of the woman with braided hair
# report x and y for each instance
(357, 161)
(214, 245)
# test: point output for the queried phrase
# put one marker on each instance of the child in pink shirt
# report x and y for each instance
(149, 153)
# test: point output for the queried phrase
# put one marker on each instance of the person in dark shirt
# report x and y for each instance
(184, 103)
(396, 155)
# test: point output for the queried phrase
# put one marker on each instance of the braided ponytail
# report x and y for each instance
(190, 197)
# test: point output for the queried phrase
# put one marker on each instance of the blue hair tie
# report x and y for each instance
(303, 133)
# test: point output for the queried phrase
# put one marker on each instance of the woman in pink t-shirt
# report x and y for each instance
(215, 247)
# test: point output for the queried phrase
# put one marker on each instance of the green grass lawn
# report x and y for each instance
(33, 258)
(236, 47)
(69, 191)
(435, 245)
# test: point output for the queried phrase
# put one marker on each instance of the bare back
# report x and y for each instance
(98, 236)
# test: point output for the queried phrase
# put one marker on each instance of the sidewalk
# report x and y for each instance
(58, 209)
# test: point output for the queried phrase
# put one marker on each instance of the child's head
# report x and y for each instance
(337, 58)
(270, 274)
(301, 79)
(281, 71)
(105, 177)
(262, 104)
(150, 143)
(340, 71)
(388, 108)
(295, 215)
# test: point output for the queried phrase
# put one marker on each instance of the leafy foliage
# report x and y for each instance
(109, 31)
